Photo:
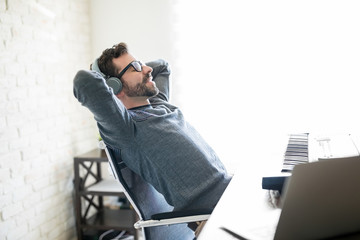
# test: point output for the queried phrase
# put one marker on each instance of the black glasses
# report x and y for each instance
(137, 65)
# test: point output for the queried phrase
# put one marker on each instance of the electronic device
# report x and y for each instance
(112, 82)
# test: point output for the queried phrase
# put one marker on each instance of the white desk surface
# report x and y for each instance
(244, 201)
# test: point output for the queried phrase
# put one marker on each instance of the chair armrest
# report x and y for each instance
(185, 213)
(153, 223)
(175, 217)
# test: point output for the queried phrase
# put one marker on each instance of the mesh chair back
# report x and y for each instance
(147, 201)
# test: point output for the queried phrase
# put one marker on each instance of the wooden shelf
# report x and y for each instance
(111, 219)
(90, 188)
(106, 187)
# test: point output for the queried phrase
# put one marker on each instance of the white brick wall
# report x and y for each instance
(42, 126)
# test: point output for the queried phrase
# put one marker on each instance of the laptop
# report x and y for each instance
(321, 200)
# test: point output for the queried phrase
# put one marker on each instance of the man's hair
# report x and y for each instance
(105, 60)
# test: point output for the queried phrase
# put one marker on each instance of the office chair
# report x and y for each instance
(156, 218)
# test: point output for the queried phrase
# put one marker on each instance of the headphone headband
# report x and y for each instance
(95, 67)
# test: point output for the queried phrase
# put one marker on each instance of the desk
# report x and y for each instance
(244, 203)
(239, 209)
(244, 200)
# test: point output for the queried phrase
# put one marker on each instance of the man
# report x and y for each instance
(156, 142)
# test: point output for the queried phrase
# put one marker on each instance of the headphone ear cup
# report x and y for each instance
(115, 84)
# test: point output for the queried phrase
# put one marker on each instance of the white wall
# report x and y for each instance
(42, 126)
(145, 25)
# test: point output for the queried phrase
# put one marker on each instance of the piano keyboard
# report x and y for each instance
(297, 151)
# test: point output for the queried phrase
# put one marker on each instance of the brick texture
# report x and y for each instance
(42, 127)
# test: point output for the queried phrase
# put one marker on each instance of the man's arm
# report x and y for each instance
(113, 120)
(161, 76)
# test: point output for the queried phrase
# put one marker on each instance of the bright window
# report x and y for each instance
(250, 71)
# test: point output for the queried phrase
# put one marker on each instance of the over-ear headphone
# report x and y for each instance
(112, 82)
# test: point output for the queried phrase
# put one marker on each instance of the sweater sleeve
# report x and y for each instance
(161, 76)
(113, 120)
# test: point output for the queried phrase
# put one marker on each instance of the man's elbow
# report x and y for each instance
(82, 80)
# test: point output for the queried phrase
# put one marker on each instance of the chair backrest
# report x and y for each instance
(146, 200)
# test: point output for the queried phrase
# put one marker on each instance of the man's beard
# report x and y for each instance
(141, 89)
